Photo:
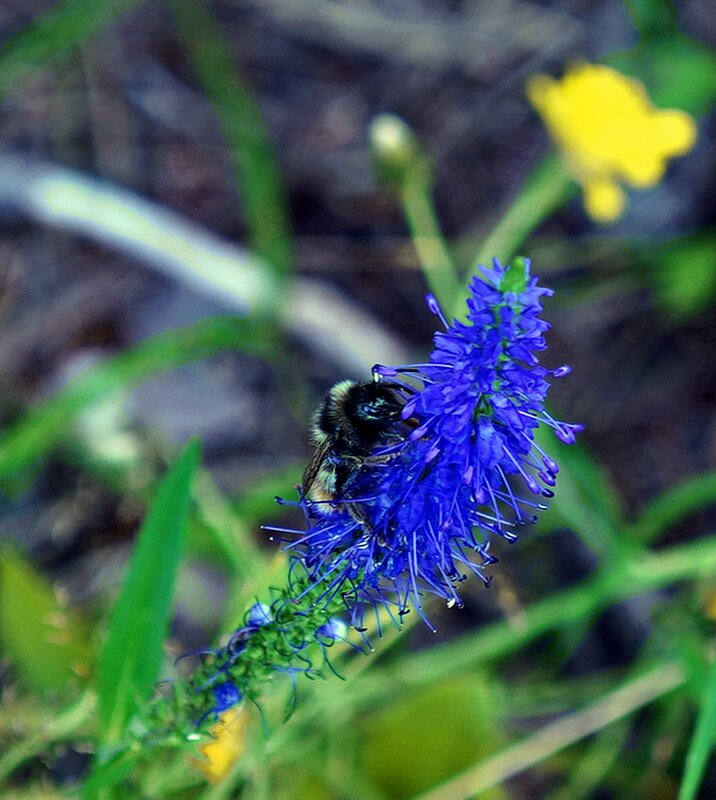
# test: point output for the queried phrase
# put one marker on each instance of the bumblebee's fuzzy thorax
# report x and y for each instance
(347, 428)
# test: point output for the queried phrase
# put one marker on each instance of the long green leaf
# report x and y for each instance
(131, 657)
(703, 740)
(42, 428)
(54, 34)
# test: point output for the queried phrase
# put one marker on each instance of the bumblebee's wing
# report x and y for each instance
(320, 454)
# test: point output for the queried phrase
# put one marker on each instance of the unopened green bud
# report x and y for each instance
(516, 275)
(395, 148)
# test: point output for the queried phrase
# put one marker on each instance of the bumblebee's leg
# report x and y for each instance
(347, 472)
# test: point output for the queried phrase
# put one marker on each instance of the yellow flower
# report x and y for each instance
(608, 130)
(227, 746)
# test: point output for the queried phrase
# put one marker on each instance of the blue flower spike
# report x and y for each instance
(421, 505)
(466, 466)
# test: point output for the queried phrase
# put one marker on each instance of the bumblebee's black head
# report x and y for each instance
(353, 415)
(371, 406)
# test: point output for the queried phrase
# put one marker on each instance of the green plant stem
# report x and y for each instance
(594, 767)
(62, 726)
(258, 172)
(652, 17)
(546, 189)
(435, 258)
(585, 501)
(555, 736)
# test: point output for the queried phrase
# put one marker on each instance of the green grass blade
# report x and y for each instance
(673, 506)
(53, 36)
(131, 657)
(42, 428)
(703, 740)
(257, 169)
(216, 529)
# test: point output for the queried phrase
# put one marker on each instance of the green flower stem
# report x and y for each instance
(289, 642)
(435, 258)
(249, 585)
(547, 188)
(652, 17)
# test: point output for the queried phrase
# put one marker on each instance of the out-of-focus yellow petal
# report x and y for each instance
(642, 170)
(675, 132)
(608, 130)
(538, 90)
(710, 605)
(603, 199)
(227, 746)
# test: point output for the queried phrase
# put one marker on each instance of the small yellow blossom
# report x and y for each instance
(608, 130)
(227, 746)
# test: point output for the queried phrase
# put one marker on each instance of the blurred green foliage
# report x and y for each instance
(400, 758)
(403, 722)
(54, 35)
(684, 274)
(47, 641)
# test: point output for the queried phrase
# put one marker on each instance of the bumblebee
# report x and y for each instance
(353, 419)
